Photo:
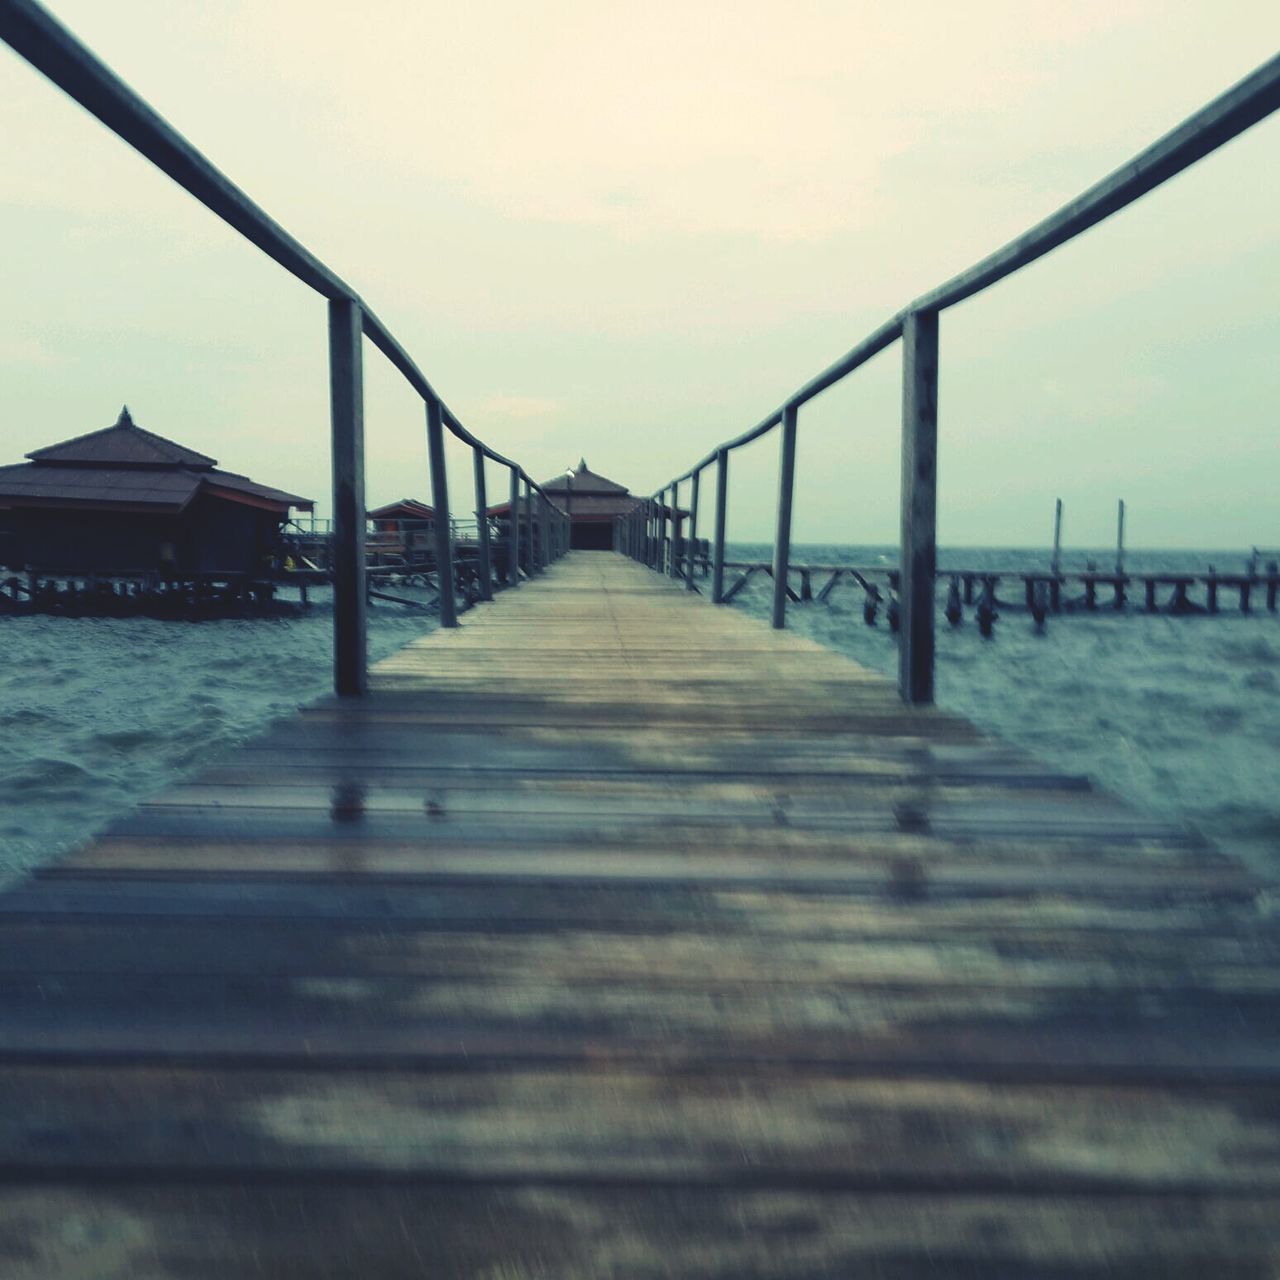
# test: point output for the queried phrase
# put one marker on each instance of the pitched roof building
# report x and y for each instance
(123, 500)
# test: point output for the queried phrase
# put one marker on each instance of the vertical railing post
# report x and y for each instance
(443, 526)
(530, 541)
(782, 538)
(919, 506)
(673, 558)
(722, 508)
(346, 401)
(482, 525)
(544, 527)
(691, 538)
(513, 532)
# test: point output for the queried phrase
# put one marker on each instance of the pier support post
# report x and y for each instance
(722, 510)
(1055, 561)
(482, 526)
(440, 501)
(346, 401)
(691, 538)
(782, 535)
(919, 506)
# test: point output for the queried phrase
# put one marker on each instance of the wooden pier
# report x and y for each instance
(613, 934)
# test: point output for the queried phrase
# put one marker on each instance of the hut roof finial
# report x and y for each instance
(125, 419)
(582, 465)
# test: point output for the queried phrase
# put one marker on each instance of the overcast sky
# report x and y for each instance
(628, 231)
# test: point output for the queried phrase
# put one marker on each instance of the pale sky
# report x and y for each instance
(628, 231)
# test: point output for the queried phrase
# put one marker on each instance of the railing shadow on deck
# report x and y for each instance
(651, 532)
(537, 530)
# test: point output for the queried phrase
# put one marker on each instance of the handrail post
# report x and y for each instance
(782, 539)
(722, 507)
(346, 402)
(513, 531)
(440, 501)
(673, 558)
(919, 506)
(544, 527)
(691, 538)
(482, 525)
(531, 545)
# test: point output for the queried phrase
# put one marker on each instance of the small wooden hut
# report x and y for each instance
(124, 502)
(402, 530)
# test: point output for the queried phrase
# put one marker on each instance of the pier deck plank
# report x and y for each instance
(617, 935)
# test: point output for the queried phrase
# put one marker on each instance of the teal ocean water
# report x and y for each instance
(98, 713)
(1181, 715)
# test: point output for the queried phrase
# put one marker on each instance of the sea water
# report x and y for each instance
(1180, 715)
(96, 714)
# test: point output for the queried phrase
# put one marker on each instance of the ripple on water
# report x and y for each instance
(100, 712)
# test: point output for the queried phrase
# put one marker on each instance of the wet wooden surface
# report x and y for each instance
(614, 934)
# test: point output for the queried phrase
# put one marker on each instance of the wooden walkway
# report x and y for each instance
(615, 934)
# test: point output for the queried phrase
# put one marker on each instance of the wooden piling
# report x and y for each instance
(1055, 561)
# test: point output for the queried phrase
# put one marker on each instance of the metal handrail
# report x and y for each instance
(34, 34)
(645, 534)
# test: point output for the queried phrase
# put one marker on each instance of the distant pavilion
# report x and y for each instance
(591, 501)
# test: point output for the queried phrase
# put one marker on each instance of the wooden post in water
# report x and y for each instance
(919, 506)
(482, 525)
(513, 532)
(691, 538)
(346, 401)
(782, 536)
(1120, 538)
(722, 509)
(1056, 559)
(440, 500)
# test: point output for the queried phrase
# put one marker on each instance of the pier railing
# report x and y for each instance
(542, 528)
(651, 533)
